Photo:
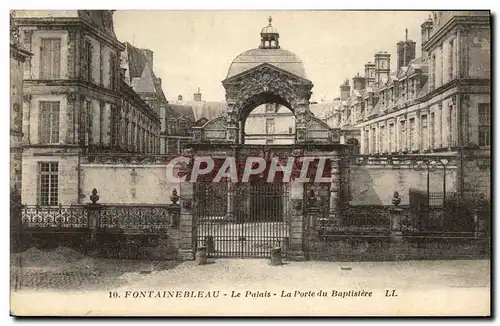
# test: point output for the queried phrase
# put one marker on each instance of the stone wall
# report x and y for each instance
(127, 184)
(375, 185)
(387, 248)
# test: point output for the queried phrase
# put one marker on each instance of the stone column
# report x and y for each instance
(230, 216)
(334, 209)
(296, 235)
(186, 221)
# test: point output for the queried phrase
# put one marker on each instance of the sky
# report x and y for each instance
(195, 48)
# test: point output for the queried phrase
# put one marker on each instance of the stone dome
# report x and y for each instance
(280, 58)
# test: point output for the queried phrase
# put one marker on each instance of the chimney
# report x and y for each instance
(149, 56)
(345, 90)
(426, 31)
(197, 96)
(358, 83)
(179, 98)
(382, 67)
(406, 51)
(369, 74)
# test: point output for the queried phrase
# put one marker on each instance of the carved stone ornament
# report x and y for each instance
(266, 80)
(187, 204)
(94, 197)
(231, 135)
(297, 152)
(27, 98)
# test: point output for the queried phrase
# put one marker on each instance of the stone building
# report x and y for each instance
(18, 57)
(181, 116)
(138, 71)
(437, 103)
(75, 101)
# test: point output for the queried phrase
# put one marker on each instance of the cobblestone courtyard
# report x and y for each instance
(429, 287)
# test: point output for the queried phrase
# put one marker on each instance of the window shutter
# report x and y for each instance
(56, 58)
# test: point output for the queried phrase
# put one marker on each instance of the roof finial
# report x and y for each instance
(270, 19)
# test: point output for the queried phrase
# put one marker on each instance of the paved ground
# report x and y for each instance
(295, 288)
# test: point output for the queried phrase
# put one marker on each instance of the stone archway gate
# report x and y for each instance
(229, 217)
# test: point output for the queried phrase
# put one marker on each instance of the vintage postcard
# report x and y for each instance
(250, 163)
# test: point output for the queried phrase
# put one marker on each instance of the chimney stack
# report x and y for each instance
(382, 67)
(179, 98)
(197, 96)
(345, 90)
(406, 51)
(358, 83)
(369, 74)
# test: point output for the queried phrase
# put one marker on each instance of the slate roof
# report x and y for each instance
(142, 76)
(180, 110)
(202, 109)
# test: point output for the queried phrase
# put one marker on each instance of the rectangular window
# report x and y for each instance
(183, 127)
(113, 67)
(451, 60)
(87, 61)
(441, 65)
(411, 134)
(270, 126)
(391, 136)
(49, 122)
(48, 184)
(87, 129)
(484, 124)
(424, 133)
(366, 141)
(402, 139)
(50, 58)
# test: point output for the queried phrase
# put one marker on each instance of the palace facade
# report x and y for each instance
(438, 103)
(76, 101)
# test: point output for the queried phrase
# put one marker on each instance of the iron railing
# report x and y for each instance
(54, 217)
(146, 218)
(152, 218)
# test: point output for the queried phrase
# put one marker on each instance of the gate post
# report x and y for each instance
(186, 234)
(295, 247)
(334, 210)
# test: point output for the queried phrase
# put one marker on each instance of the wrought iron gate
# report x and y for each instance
(242, 220)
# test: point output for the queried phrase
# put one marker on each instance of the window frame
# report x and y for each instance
(51, 173)
(50, 61)
(484, 124)
(53, 122)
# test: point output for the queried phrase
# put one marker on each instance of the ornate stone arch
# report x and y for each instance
(263, 84)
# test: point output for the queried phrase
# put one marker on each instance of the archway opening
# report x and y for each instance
(267, 119)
